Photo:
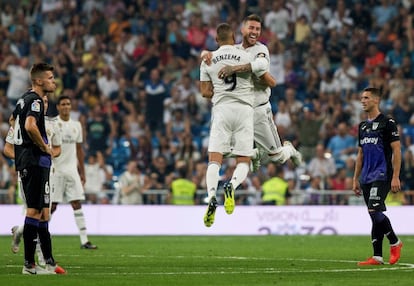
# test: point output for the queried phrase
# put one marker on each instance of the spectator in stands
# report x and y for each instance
(312, 192)
(182, 190)
(131, 185)
(98, 131)
(340, 184)
(342, 145)
(275, 190)
(347, 75)
(95, 180)
(308, 127)
(156, 92)
(322, 165)
(18, 70)
(384, 12)
(52, 30)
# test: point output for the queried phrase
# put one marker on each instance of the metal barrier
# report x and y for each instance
(245, 197)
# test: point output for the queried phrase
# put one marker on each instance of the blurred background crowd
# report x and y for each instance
(132, 71)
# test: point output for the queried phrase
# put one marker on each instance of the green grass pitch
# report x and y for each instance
(214, 260)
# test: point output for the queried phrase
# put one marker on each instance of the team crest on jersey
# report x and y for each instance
(35, 106)
(375, 125)
(261, 55)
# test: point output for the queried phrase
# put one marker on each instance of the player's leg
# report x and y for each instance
(212, 179)
(239, 175)
(33, 199)
(243, 148)
(17, 233)
(385, 223)
(43, 230)
(75, 194)
(267, 137)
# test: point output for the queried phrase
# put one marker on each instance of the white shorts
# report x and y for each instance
(231, 129)
(66, 187)
(265, 131)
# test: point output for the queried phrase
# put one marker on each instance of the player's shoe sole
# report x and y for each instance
(16, 237)
(395, 253)
(211, 212)
(229, 202)
(370, 261)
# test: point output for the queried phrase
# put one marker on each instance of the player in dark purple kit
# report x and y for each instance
(33, 155)
(377, 171)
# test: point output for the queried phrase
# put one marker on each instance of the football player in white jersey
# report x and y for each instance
(67, 174)
(232, 117)
(266, 137)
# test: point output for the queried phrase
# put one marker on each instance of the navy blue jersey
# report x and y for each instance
(375, 138)
(26, 152)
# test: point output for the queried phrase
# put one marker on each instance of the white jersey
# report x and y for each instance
(71, 133)
(261, 92)
(54, 137)
(236, 88)
(52, 132)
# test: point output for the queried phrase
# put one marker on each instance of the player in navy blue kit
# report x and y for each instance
(377, 171)
(33, 159)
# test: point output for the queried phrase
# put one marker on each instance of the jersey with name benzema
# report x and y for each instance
(375, 138)
(261, 91)
(234, 88)
(71, 134)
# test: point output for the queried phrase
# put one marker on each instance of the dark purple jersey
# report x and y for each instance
(375, 138)
(26, 152)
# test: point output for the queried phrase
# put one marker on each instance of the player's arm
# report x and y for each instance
(81, 161)
(56, 150)
(8, 150)
(268, 79)
(33, 131)
(357, 172)
(257, 67)
(206, 89)
(396, 166)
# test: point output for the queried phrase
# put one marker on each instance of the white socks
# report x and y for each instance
(212, 178)
(80, 222)
(239, 174)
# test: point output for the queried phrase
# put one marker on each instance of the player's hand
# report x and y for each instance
(206, 57)
(225, 72)
(395, 185)
(356, 188)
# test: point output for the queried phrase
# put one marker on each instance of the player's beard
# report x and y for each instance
(250, 41)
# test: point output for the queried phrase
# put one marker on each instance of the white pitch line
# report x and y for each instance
(231, 271)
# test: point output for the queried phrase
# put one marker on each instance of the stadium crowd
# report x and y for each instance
(131, 69)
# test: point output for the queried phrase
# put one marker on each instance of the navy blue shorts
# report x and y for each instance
(35, 187)
(375, 194)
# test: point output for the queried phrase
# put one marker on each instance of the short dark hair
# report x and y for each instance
(224, 32)
(62, 97)
(40, 68)
(253, 17)
(374, 91)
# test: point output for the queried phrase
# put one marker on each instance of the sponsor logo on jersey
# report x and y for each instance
(368, 140)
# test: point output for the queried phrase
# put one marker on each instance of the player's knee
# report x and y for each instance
(376, 216)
